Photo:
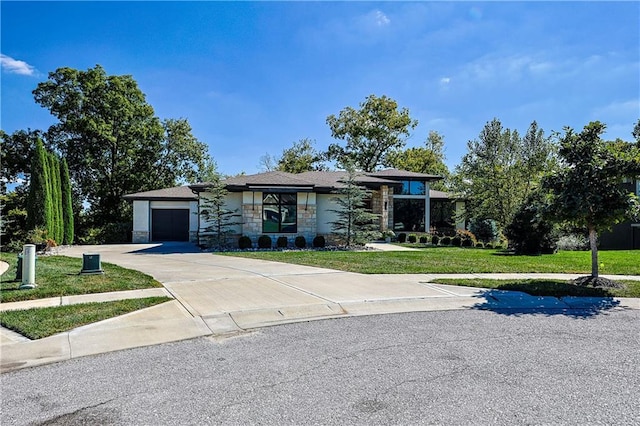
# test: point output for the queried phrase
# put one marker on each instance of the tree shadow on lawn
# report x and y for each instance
(516, 303)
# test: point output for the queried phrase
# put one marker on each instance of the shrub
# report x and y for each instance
(264, 241)
(435, 240)
(573, 242)
(456, 241)
(282, 242)
(412, 238)
(318, 241)
(529, 232)
(479, 245)
(402, 237)
(488, 245)
(467, 243)
(300, 241)
(244, 242)
(467, 235)
(423, 239)
(445, 241)
(485, 230)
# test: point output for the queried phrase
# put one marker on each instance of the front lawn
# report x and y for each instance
(43, 322)
(455, 260)
(59, 276)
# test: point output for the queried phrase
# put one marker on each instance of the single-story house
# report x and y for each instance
(626, 235)
(285, 204)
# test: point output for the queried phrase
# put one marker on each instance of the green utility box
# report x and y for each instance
(91, 264)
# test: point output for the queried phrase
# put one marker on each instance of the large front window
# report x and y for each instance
(408, 214)
(279, 212)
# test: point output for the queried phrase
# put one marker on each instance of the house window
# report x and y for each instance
(413, 187)
(279, 212)
(442, 212)
(408, 214)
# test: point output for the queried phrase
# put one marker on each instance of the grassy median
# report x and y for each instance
(59, 276)
(43, 322)
(555, 288)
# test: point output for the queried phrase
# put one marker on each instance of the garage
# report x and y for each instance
(169, 225)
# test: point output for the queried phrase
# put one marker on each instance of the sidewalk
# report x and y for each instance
(221, 296)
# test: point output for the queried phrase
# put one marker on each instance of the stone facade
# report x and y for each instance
(380, 204)
(140, 237)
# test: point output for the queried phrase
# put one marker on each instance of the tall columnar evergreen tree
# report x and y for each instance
(67, 204)
(586, 191)
(58, 231)
(39, 211)
(355, 223)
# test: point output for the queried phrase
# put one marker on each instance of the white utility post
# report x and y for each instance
(28, 266)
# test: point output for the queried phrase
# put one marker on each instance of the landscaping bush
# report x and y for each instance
(456, 241)
(467, 235)
(435, 240)
(467, 243)
(318, 241)
(488, 245)
(479, 245)
(529, 232)
(423, 239)
(412, 238)
(264, 241)
(282, 242)
(244, 242)
(485, 230)
(445, 241)
(573, 242)
(300, 241)
(402, 237)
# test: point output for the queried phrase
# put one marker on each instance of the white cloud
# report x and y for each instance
(15, 66)
(445, 80)
(381, 19)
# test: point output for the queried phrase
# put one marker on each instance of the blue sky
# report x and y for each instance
(253, 77)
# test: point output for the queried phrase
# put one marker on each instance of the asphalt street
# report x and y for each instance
(455, 367)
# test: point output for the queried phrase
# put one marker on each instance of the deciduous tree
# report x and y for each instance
(501, 169)
(113, 142)
(427, 159)
(586, 191)
(372, 133)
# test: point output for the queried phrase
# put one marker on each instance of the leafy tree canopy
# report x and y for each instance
(372, 133)
(586, 191)
(112, 140)
(301, 157)
(501, 169)
(427, 159)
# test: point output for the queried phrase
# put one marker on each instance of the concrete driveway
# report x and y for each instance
(233, 293)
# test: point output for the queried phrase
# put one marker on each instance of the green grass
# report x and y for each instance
(456, 260)
(555, 288)
(42, 322)
(59, 276)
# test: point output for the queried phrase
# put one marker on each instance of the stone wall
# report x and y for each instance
(380, 206)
